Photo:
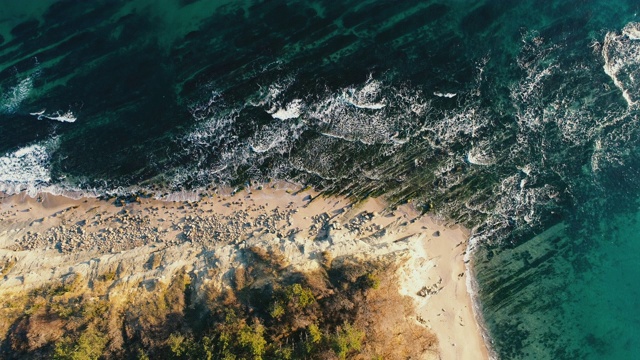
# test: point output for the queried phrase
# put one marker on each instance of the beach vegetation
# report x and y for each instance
(371, 281)
(251, 338)
(342, 310)
(277, 310)
(89, 346)
(142, 355)
(176, 343)
(347, 339)
(299, 296)
(315, 334)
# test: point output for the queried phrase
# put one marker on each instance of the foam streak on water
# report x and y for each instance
(14, 96)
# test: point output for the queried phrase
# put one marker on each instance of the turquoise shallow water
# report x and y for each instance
(518, 119)
(561, 296)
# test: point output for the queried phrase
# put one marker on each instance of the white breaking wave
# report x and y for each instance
(374, 106)
(26, 169)
(621, 53)
(371, 113)
(202, 111)
(57, 116)
(214, 126)
(454, 127)
(367, 97)
(446, 95)
(278, 137)
(518, 201)
(270, 96)
(632, 31)
(481, 155)
(291, 111)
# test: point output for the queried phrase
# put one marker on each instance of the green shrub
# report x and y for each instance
(176, 343)
(142, 355)
(313, 341)
(207, 347)
(284, 353)
(89, 346)
(299, 296)
(347, 339)
(277, 310)
(315, 333)
(372, 281)
(252, 340)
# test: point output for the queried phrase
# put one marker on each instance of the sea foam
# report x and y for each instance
(12, 99)
(290, 111)
(621, 53)
(57, 116)
(26, 169)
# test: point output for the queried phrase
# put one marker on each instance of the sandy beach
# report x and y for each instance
(45, 238)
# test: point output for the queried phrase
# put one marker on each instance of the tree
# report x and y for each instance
(347, 339)
(252, 340)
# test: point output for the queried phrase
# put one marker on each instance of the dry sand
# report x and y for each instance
(47, 238)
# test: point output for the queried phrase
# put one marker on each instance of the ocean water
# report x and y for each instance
(518, 119)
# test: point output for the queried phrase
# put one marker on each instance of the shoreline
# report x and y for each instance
(435, 274)
(472, 290)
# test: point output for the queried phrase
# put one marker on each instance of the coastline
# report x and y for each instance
(472, 290)
(433, 273)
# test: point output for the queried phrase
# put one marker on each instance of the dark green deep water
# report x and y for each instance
(516, 118)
